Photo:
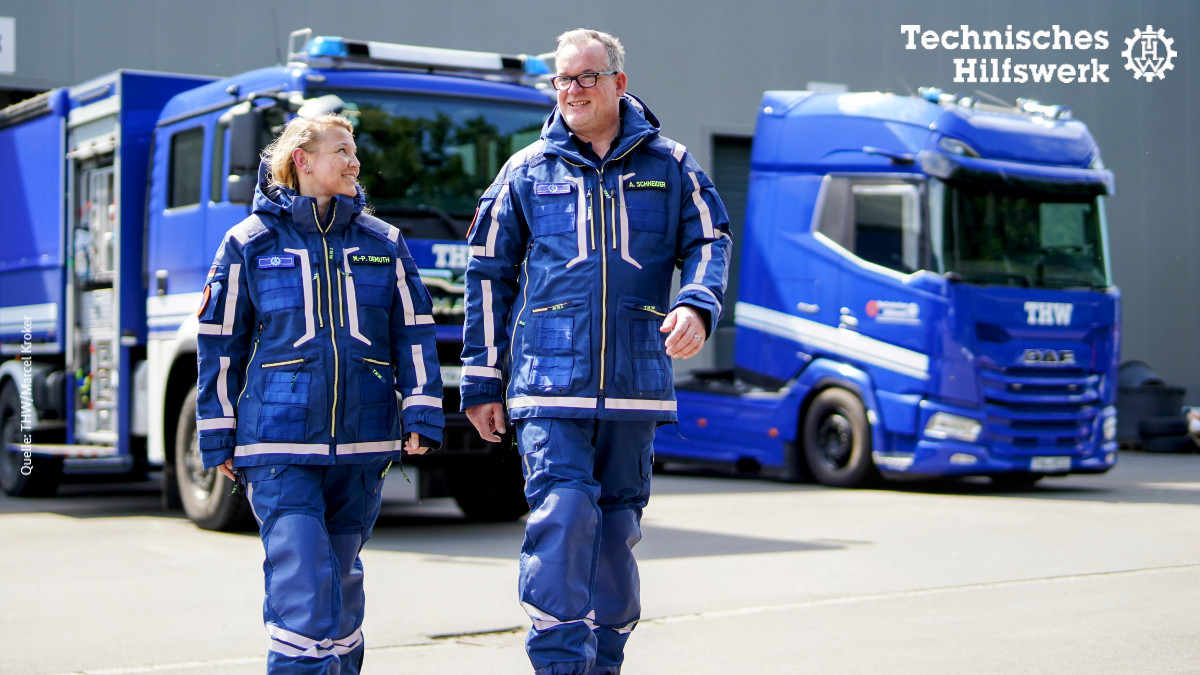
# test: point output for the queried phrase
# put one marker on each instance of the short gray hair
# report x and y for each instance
(614, 52)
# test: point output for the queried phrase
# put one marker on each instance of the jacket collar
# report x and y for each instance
(637, 124)
(286, 204)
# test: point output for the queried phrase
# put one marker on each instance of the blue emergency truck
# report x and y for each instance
(925, 290)
(117, 192)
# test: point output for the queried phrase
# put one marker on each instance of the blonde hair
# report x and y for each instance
(614, 51)
(304, 133)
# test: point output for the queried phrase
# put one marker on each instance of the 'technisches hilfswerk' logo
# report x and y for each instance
(1148, 54)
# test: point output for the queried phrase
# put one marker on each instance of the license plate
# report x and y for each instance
(1050, 464)
(451, 376)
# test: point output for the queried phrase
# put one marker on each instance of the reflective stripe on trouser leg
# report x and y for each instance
(624, 457)
(561, 548)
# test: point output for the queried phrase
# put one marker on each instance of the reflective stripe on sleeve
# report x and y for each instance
(702, 268)
(431, 401)
(481, 371)
(488, 250)
(223, 387)
(418, 357)
(216, 423)
(679, 152)
(489, 323)
(705, 290)
(702, 206)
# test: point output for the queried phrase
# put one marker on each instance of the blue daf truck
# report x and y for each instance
(116, 194)
(925, 290)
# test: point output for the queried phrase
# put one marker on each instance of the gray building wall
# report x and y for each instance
(703, 65)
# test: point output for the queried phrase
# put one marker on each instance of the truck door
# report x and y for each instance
(877, 223)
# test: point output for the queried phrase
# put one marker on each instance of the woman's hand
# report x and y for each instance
(413, 445)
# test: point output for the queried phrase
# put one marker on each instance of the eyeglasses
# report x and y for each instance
(585, 80)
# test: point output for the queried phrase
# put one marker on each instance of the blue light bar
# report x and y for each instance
(327, 46)
(536, 66)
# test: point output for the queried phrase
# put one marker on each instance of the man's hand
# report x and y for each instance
(413, 445)
(226, 470)
(488, 419)
(687, 332)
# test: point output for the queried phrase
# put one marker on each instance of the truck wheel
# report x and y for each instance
(837, 440)
(205, 493)
(37, 478)
(489, 491)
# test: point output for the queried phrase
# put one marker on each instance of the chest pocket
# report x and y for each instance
(282, 290)
(555, 217)
(647, 210)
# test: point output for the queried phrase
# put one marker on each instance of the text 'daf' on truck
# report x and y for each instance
(924, 290)
(116, 194)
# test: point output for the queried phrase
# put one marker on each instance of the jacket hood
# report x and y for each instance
(286, 204)
(637, 123)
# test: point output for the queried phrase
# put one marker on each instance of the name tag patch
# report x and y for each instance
(361, 259)
(553, 188)
(268, 262)
(645, 185)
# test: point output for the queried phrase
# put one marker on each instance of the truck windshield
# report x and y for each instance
(427, 159)
(999, 235)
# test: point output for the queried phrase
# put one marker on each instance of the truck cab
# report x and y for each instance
(925, 291)
(160, 167)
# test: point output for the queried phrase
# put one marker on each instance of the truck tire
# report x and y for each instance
(491, 490)
(205, 493)
(43, 474)
(837, 440)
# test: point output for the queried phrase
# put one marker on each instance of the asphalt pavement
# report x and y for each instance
(1085, 574)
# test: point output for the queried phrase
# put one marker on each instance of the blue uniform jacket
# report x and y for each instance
(571, 269)
(308, 329)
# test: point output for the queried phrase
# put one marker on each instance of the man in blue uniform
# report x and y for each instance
(573, 250)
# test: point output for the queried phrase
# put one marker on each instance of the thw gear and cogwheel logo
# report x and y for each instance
(1148, 54)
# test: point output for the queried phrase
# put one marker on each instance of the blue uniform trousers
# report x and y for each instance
(586, 481)
(314, 521)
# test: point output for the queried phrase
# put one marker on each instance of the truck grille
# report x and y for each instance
(1032, 411)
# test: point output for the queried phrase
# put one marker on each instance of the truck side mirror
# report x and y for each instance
(240, 187)
(245, 137)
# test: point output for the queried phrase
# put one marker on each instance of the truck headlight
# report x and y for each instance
(1110, 427)
(944, 425)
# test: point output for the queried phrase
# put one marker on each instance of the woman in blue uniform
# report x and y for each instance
(313, 319)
